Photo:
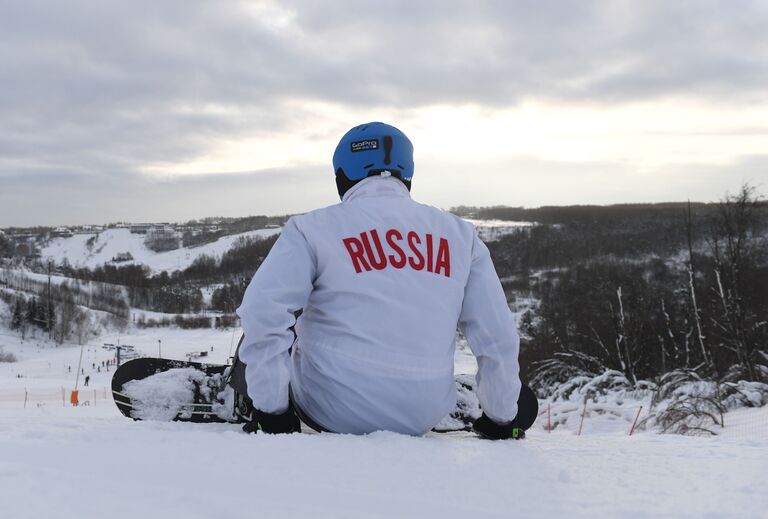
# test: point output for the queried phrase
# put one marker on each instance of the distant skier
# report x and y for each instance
(380, 283)
(87, 379)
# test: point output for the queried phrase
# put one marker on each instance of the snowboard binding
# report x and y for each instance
(235, 378)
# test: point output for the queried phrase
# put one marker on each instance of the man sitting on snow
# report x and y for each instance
(380, 282)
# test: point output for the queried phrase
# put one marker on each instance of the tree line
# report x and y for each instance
(58, 315)
(610, 296)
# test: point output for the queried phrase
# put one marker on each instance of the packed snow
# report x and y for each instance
(61, 461)
(88, 464)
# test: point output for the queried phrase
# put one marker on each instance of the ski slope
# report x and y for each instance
(89, 461)
(112, 242)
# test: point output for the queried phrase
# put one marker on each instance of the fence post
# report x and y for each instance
(549, 418)
(635, 422)
(63, 398)
(94, 398)
(25, 398)
(583, 412)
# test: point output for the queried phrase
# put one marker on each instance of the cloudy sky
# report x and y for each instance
(180, 109)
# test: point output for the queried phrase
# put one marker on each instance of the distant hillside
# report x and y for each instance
(613, 215)
(113, 246)
(161, 247)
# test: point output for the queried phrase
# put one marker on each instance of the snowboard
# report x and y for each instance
(149, 388)
(174, 390)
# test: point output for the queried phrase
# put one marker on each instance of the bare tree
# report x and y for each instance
(692, 288)
(733, 244)
(67, 313)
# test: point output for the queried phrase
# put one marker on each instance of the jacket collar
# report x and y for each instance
(377, 186)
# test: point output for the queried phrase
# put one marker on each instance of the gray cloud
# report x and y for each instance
(76, 198)
(532, 182)
(91, 91)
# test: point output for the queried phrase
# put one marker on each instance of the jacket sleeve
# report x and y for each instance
(280, 287)
(490, 327)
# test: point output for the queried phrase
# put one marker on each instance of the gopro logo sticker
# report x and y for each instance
(368, 144)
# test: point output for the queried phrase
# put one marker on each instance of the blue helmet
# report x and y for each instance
(370, 149)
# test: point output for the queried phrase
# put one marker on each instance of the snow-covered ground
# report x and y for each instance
(89, 461)
(108, 244)
(492, 230)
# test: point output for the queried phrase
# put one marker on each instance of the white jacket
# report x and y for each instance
(383, 282)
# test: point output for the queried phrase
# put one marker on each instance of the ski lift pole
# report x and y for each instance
(73, 397)
(79, 366)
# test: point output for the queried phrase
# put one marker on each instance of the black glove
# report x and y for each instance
(285, 423)
(490, 430)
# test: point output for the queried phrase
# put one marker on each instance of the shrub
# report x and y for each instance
(7, 357)
(192, 323)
